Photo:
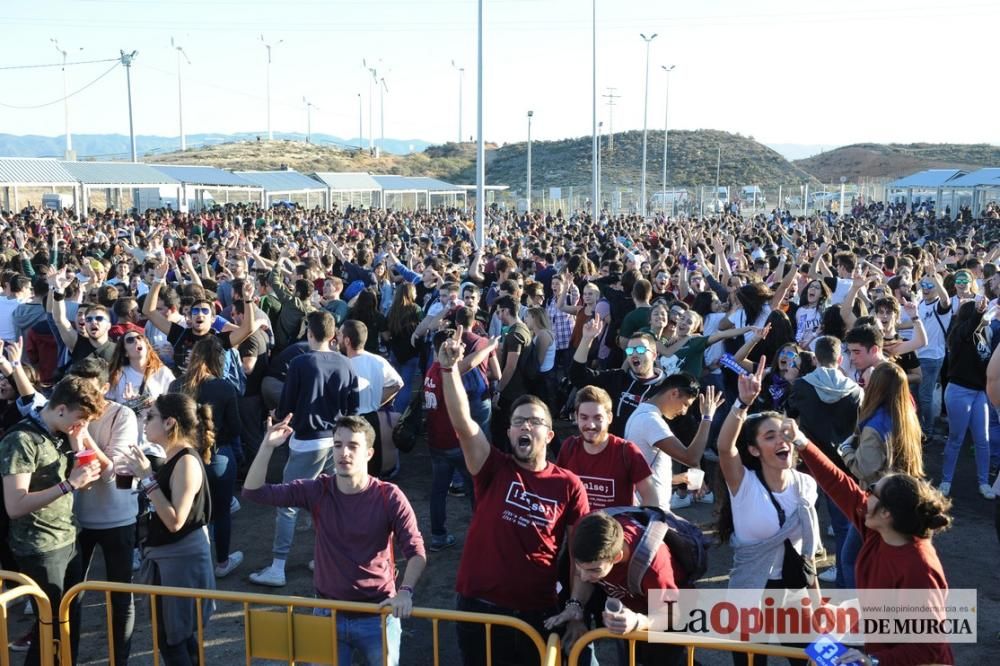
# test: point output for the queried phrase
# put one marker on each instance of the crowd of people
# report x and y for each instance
(152, 363)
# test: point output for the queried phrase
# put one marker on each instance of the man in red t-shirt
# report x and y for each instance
(602, 548)
(524, 509)
(442, 440)
(613, 470)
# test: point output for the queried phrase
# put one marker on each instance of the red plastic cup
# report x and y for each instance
(85, 457)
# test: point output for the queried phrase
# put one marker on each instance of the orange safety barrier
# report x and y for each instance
(692, 643)
(288, 636)
(25, 587)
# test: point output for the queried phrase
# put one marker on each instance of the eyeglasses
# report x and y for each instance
(90, 319)
(639, 349)
(532, 421)
(200, 311)
(131, 339)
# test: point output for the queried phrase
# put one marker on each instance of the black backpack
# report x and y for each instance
(685, 540)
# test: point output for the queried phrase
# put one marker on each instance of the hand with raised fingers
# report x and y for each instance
(452, 351)
(750, 384)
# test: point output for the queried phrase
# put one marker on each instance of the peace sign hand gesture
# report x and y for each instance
(750, 385)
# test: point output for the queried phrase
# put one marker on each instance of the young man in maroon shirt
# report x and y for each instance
(356, 518)
(524, 508)
(613, 470)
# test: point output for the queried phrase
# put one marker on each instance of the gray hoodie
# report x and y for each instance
(831, 385)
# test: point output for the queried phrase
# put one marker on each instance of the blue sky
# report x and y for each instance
(779, 70)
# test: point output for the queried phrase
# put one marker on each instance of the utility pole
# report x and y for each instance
(270, 135)
(718, 170)
(645, 113)
(480, 141)
(69, 137)
(595, 149)
(666, 130)
(126, 59)
(180, 99)
(461, 75)
(309, 108)
(528, 198)
(371, 106)
(611, 97)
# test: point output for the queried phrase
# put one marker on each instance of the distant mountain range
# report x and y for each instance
(894, 160)
(116, 146)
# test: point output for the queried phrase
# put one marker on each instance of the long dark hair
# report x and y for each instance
(746, 438)
(753, 297)
(194, 422)
(205, 362)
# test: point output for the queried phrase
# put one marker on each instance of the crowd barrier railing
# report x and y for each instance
(691, 643)
(17, 586)
(285, 635)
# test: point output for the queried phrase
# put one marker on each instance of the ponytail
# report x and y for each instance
(205, 438)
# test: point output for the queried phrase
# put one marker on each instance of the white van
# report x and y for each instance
(53, 201)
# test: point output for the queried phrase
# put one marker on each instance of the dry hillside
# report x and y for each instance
(873, 160)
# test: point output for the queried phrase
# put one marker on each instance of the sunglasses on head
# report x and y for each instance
(90, 319)
(200, 310)
(638, 349)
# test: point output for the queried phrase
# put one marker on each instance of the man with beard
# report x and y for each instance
(627, 387)
(97, 318)
(524, 509)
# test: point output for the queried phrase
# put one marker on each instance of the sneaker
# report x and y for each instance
(945, 488)
(707, 498)
(829, 576)
(22, 644)
(441, 543)
(678, 502)
(312, 565)
(234, 505)
(987, 491)
(136, 559)
(268, 576)
(456, 491)
(225, 568)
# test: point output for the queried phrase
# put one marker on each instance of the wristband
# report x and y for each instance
(65, 487)
(444, 369)
(15, 364)
(800, 443)
(706, 419)
(739, 405)
(406, 588)
(58, 296)
(148, 485)
(574, 602)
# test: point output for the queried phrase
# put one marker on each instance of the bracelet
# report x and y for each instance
(706, 419)
(148, 484)
(406, 588)
(739, 405)
(800, 442)
(444, 369)
(58, 296)
(65, 487)
(574, 602)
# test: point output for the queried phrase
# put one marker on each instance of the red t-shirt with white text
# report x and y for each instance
(609, 477)
(519, 524)
(660, 575)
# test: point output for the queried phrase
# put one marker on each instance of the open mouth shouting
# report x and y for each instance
(783, 453)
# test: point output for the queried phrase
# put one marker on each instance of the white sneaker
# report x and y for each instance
(268, 576)
(987, 491)
(234, 505)
(226, 568)
(829, 576)
(707, 498)
(678, 502)
(945, 488)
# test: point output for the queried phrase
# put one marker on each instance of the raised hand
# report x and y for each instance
(592, 329)
(750, 385)
(160, 272)
(709, 402)
(452, 350)
(277, 433)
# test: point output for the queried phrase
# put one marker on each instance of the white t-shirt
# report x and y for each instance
(7, 307)
(711, 327)
(937, 338)
(374, 373)
(807, 322)
(840, 293)
(157, 384)
(755, 518)
(645, 427)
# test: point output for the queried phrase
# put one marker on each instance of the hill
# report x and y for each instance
(894, 160)
(564, 163)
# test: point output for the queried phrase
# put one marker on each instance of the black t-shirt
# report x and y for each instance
(183, 339)
(84, 348)
(201, 507)
(253, 347)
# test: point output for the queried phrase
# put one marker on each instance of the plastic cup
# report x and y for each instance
(696, 478)
(613, 605)
(85, 457)
(124, 479)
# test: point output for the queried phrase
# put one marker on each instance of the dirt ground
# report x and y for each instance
(968, 551)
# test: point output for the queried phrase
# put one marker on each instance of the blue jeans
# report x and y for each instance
(967, 409)
(364, 633)
(221, 473)
(444, 463)
(930, 370)
(840, 526)
(848, 557)
(408, 371)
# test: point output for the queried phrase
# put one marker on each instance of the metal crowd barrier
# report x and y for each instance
(285, 635)
(19, 586)
(692, 644)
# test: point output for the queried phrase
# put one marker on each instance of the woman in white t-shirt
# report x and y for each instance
(809, 316)
(768, 504)
(138, 377)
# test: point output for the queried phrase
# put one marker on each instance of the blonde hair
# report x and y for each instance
(541, 318)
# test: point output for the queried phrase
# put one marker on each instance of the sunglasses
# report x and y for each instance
(200, 311)
(788, 354)
(926, 285)
(640, 349)
(962, 282)
(90, 319)
(131, 339)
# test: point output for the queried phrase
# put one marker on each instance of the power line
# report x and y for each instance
(61, 99)
(59, 64)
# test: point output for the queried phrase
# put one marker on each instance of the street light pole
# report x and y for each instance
(309, 106)
(69, 137)
(361, 123)
(595, 149)
(180, 99)
(126, 59)
(383, 88)
(270, 135)
(481, 145)
(666, 129)
(645, 112)
(530, 114)
(461, 75)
